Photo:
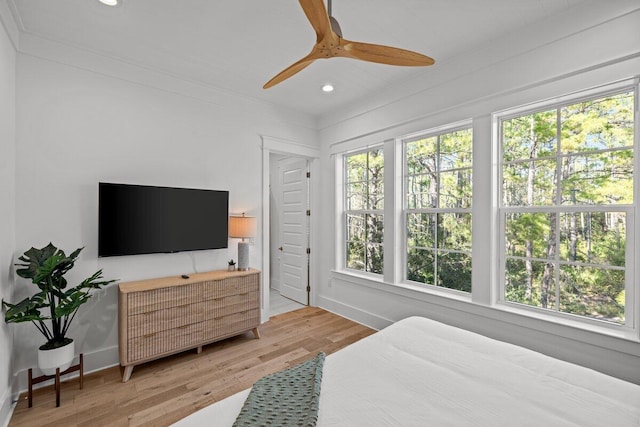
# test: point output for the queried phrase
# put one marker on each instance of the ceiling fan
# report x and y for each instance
(330, 44)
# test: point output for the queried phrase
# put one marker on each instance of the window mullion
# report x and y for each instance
(558, 203)
(557, 262)
(436, 224)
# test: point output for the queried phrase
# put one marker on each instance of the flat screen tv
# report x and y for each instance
(139, 219)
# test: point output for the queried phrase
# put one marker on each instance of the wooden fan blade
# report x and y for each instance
(383, 54)
(330, 44)
(292, 69)
(317, 16)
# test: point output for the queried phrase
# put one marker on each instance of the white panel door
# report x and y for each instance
(294, 229)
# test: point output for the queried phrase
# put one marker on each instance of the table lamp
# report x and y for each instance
(242, 227)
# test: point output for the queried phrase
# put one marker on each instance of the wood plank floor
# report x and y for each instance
(162, 392)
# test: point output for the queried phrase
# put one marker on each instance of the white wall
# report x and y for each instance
(7, 204)
(95, 121)
(596, 45)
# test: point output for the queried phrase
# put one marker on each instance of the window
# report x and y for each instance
(556, 221)
(438, 209)
(364, 192)
(567, 203)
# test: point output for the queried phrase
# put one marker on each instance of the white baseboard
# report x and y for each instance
(353, 313)
(6, 408)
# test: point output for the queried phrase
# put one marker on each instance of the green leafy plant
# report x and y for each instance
(46, 268)
(232, 262)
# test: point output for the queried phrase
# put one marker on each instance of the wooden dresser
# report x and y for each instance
(163, 316)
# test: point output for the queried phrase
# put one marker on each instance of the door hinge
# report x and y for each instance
(308, 212)
(308, 250)
(308, 174)
(308, 288)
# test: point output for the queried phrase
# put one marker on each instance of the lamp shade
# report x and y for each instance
(242, 227)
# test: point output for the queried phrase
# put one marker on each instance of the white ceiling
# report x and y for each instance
(237, 45)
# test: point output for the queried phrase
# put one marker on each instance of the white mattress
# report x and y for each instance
(419, 372)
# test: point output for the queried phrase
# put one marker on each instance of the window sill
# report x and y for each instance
(565, 320)
(405, 289)
(613, 337)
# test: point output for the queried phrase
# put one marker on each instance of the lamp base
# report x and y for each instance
(243, 256)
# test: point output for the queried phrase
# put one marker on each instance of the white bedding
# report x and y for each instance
(418, 372)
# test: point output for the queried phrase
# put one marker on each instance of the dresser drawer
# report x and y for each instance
(161, 320)
(156, 343)
(224, 306)
(159, 299)
(231, 324)
(233, 286)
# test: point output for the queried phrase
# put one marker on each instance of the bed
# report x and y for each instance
(419, 372)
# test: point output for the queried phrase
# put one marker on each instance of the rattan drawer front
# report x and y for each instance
(232, 286)
(154, 344)
(158, 299)
(232, 304)
(161, 320)
(227, 325)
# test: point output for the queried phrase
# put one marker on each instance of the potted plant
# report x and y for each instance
(46, 269)
(232, 265)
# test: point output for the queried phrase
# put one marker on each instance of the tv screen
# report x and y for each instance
(139, 219)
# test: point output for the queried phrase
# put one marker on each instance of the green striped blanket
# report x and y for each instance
(286, 398)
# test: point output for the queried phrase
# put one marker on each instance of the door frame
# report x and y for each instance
(294, 149)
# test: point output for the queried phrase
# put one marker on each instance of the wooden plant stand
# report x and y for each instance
(32, 381)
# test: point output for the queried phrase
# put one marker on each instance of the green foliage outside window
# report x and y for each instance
(567, 178)
(438, 217)
(364, 204)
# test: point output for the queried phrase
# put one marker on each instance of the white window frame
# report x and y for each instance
(406, 211)
(632, 268)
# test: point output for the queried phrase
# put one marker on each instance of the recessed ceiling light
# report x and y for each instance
(110, 2)
(327, 88)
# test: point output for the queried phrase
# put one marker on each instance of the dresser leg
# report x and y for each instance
(256, 333)
(127, 373)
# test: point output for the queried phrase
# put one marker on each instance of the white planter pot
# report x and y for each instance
(61, 357)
